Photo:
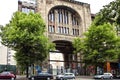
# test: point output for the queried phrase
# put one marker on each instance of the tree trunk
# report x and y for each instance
(27, 73)
(108, 66)
(33, 69)
(95, 69)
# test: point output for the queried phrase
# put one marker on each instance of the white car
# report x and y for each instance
(65, 76)
(104, 76)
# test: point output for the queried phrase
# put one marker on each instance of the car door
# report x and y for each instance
(107, 75)
(69, 76)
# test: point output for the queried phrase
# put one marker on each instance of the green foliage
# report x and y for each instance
(100, 44)
(78, 44)
(110, 13)
(25, 35)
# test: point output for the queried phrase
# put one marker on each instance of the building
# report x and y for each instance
(27, 6)
(65, 20)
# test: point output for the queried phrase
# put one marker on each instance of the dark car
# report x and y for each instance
(7, 75)
(116, 76)
(42, 76)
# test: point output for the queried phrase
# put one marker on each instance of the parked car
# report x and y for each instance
(65, 76)
(116, 76)
(41, 76)
(7, 75)
(104, 76)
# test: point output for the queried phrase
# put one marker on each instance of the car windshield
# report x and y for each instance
(43, 73)
(60, 74)
(106, 73)
(68, 74)
(5, 73)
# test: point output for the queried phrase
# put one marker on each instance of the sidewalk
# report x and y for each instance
(87, 77)
(23, 77)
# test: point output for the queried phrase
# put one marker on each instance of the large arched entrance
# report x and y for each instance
(65, 20)
(63, 59)
(64, 24)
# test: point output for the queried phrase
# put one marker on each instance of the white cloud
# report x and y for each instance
(96, 5)
(7, 8)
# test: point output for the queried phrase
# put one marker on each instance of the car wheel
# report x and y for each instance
(74, 78)
(32, 78)
(12, 78)
(111, 77)
(102, 78)
(61, 78)
(48, 78)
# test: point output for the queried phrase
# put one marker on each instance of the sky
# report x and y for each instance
(7, 7)
(7, 11)
(96, 5)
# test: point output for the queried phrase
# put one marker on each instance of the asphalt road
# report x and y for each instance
(77, 78)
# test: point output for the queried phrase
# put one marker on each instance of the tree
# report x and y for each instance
(25, 35)
(100, 45)
(101, 42)
(110, 13)
(78, 44)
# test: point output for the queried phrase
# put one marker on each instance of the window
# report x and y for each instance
(74, 20)
(75, 31)
(67, 30)
(32, 10)
(27, 10)
(9, 53)
(63, 30)
(65, 17)
(9, 59)
(60, 16)
(59, 30)
(63, 20)
(51, 28)
(9, 56)
(52, 16)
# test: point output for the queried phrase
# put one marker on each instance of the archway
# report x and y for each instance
(63, 58)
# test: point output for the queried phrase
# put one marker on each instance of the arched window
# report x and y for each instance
(62, 19)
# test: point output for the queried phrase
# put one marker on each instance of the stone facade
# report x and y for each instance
(82, 9)
(65, 20)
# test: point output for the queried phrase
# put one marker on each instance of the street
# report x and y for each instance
(19, 77)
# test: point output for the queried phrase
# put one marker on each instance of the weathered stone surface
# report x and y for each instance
(82, 9)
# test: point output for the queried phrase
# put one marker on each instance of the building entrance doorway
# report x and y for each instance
(63, 59)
